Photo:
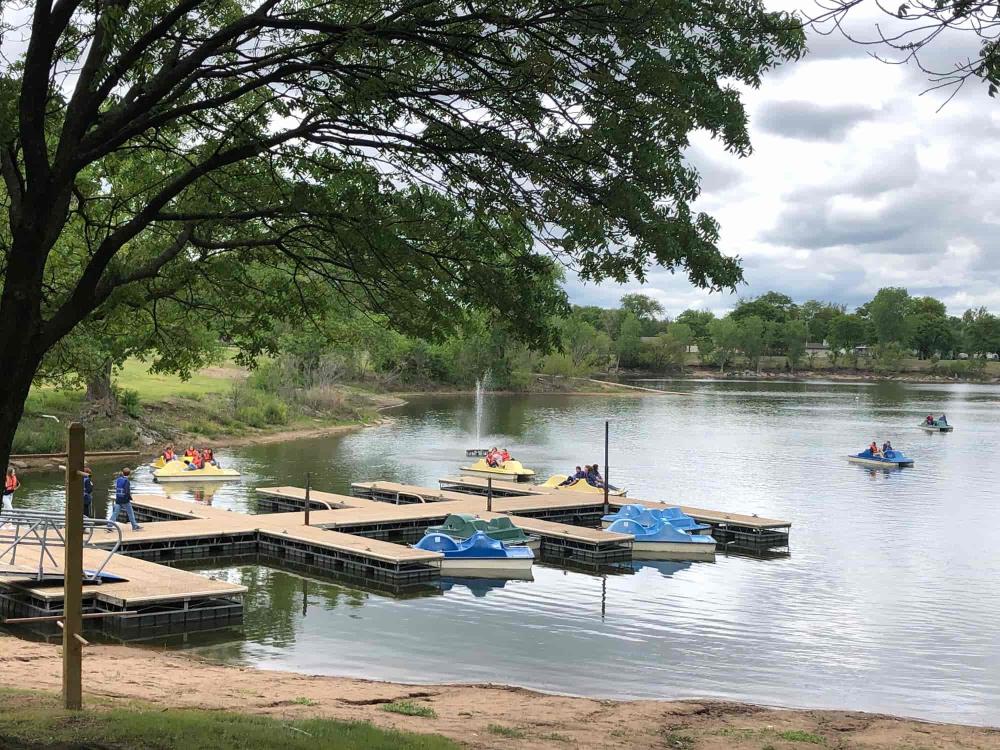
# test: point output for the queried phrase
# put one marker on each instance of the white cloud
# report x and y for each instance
(857, 181)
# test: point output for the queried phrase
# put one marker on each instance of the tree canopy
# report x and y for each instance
(418, 160)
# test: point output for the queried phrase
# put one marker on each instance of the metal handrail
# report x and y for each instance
(44, 530)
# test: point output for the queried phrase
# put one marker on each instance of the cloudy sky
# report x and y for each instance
(856, 182)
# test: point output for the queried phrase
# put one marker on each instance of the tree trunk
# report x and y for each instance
(16, 377)
(99, 390)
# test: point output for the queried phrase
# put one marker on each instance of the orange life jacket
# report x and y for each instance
(9, 484)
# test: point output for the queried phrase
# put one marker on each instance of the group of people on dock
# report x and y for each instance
(940, 420)
(197, 459)
(590, 474)
(497, 457)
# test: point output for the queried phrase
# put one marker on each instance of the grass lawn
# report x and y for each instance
(135, 376)
(34, 720)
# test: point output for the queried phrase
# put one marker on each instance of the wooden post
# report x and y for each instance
(607, 474)
(307, 497)
(73, 571)
(489, 494)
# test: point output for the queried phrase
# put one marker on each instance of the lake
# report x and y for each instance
(888, 601)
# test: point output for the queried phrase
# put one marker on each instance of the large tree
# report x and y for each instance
(413, 157)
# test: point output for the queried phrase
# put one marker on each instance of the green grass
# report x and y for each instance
(509, 732)
(135, 375)
(304, 701)
(34, 720)
(798, 735)
(409, 708)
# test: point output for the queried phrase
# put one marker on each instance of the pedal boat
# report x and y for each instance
(512, 471)
(460, 526)
(936, 426)
(663, 542)
(648, 516)
(890, 460)
(555, 482)
(479, 556)
(177, 471)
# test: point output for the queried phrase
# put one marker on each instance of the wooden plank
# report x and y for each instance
(147, 582)
(479, 483)
(298, 493)
(375, 548)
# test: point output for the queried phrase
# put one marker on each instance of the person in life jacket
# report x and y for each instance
(10, 485)
(168, 454)
(123, 501)
(190, 451)
(197, 462)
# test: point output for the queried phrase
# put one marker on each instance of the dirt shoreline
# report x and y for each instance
(466, 713)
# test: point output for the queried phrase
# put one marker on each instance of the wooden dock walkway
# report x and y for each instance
(513, 489)
(585, 545)
(209, 532)
(151, 597)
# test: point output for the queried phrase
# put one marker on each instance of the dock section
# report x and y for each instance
(384, 519)
(742, 532)
(149, 599)
(281, 539)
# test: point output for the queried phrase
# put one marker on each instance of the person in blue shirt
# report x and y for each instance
(123, 501)
(88, 493)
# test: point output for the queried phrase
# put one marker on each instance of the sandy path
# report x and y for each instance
(466, 712)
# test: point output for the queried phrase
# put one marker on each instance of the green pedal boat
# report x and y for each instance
(464, 525)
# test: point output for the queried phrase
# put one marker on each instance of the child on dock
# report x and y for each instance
(10, 486)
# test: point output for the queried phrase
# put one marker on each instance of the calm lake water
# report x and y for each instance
(889, 600)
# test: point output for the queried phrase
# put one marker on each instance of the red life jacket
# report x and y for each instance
(10, 484)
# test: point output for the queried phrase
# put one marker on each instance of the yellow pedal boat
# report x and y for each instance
(511, 470)
(160, 463)
(177, 471)
(555, 482)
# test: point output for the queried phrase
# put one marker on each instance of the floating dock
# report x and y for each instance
(199, 532)
(741, 532)
(344, 536)
(380, 519)
(151, 599)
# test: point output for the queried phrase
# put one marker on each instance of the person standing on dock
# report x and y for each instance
(88, 493)
(123, 501)
(10, 485)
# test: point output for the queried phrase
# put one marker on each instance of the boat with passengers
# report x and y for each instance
(890, 459)
(930, 424)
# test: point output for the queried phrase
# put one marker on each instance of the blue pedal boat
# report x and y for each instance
(647, 516)
(478, 556)
(889, 460)
(663, 541)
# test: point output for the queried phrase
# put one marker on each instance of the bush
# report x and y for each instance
(129, 402)
(276, 413)
(268, 377)
(960, 368)
(39, 436)
(252, 415)
(111, 438)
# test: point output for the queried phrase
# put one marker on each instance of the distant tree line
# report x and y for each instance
(637, 335)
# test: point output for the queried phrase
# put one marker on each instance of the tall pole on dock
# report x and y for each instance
(489, 494)
(308, 477)
(607, 474)
(73, 571)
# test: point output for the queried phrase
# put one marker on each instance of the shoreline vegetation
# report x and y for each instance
(119, 681)
(226, 406)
